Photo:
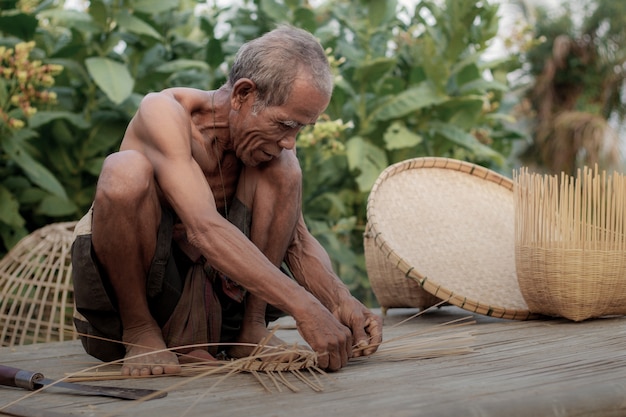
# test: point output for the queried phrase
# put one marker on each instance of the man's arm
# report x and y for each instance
(311, 267)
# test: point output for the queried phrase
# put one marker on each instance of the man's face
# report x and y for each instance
(262, 136)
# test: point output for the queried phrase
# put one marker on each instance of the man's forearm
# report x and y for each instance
(224, 251)
(311, 267)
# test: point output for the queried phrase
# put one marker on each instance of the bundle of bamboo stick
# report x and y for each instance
(570, 242)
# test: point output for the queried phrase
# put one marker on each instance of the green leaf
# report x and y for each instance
(381, 11)
(10, 209)
(137, 26)
(415, 98)
(12, 235)
(94, 166)
(274, 10)
(36, 172)
(374, 70)
(63, 135)
(112, 77)
(468, 73)
(337, 205)
(71, 19)
(464, 112)
(31, 195)
(181, 65)
(397, 136)
(368, 159)
(153, 7)
(466, 140)
(43, 117)
(305, 19)
(98, 10)
(214, 53)
(482, 86)
(55, 206)
(103, 139)
(20, 25)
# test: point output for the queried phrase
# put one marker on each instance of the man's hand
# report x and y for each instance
(328, 337)
(366, 327)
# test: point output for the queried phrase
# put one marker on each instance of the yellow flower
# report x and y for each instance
(16, 123)
(22, 76)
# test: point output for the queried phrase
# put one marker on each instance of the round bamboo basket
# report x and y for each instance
(440, 229)
(36, 293)
(570, 243)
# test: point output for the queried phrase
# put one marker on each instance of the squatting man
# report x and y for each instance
(196, 234)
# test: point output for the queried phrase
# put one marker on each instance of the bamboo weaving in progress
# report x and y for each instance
(570, 241)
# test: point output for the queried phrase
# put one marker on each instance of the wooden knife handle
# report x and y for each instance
(14, 377)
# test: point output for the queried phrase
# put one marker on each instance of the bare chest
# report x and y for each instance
(224, 180)
(220, 170)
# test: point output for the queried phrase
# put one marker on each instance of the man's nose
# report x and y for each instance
(288, 141)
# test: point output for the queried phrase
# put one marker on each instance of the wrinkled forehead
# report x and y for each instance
(305, 103)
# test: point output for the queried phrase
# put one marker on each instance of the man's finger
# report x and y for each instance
(370, 337)
(374, 328)
(323, 360)
(360, 341)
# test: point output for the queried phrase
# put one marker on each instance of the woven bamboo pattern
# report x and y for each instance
(36, 293)
(445, 227)
(570, 243)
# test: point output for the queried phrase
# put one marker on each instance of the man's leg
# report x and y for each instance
(126, 218)
(274, 196)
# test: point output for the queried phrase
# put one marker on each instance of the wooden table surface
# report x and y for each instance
(547, 367)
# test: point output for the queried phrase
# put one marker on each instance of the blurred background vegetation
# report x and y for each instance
(412, 79)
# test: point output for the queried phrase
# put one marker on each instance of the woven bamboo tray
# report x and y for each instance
(443, 229)
(36, 293)
(570, 243)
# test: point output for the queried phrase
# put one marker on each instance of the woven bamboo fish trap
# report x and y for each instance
(443, 229)
(36, 293)
(570, 243)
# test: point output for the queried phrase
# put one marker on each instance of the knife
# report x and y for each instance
(20, 378)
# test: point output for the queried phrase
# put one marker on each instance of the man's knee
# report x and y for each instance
(282, 179)
(125, 176)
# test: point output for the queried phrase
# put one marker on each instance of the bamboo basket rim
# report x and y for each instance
(450, 190)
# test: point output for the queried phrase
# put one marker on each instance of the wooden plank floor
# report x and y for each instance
(534, 368)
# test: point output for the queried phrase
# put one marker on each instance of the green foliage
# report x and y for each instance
(408, 83)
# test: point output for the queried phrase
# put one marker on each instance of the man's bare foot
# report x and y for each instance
(196, 356)
(139, 361)
(256, 339)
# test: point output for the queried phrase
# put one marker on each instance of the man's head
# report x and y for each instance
(274, 60)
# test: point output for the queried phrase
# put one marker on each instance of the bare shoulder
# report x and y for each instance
(163, 120)
(191, 99)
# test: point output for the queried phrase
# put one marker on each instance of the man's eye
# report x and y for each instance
(289, 124)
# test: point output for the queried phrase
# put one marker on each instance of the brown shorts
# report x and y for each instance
(98, 320)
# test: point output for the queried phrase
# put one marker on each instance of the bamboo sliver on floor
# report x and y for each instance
(490, 367)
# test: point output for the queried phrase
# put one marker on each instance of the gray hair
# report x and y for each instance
(274, 60)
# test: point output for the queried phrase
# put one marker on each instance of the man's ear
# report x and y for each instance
(244, 89)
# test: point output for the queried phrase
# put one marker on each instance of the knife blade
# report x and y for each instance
(21, 378)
